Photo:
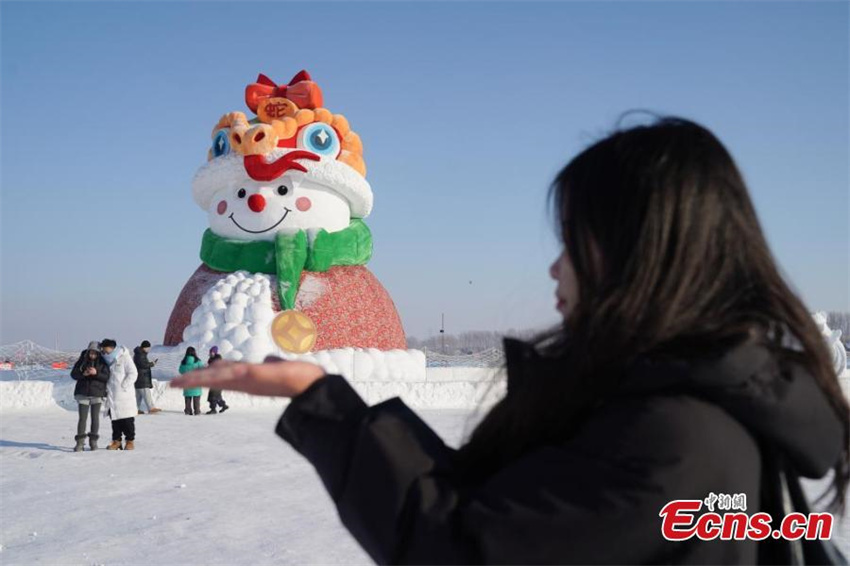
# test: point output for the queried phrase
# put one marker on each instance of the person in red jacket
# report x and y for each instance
(670, 378)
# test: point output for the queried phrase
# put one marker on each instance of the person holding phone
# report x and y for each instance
(91, 373)
(144, 384)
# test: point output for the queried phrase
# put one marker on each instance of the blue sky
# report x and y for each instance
(466, 110)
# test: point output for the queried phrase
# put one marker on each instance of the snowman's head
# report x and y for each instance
(290, 169)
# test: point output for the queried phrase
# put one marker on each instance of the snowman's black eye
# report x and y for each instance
(283, 190)
(241, 193)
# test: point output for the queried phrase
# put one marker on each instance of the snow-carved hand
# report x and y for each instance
(274, 378)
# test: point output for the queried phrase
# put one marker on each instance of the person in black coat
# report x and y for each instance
(91, 373)
(215, 397)
(144, 383)
(685, 369)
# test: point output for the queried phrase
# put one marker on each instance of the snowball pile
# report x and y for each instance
(235, 314)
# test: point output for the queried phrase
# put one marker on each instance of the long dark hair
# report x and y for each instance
(190, 353)
(670, 260)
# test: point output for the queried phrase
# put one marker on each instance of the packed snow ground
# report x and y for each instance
(209, 489)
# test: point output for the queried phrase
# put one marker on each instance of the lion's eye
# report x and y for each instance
(220, 144)
(319, 138)
(283, 190)
(241, 193)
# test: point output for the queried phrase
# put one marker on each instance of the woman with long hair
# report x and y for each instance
(685, 366)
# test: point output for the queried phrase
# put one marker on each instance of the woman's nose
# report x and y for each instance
(257, 203)
(554, 270)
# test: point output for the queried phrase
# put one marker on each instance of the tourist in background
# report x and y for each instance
(91, 373)
(120, 399)
(191, 395)
(144, 383)
(214, 397)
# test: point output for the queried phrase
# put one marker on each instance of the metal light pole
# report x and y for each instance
(443, 331)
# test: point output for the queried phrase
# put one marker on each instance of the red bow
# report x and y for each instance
(301, 90)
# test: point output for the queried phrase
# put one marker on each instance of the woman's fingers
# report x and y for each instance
(272, 379)
(281, 379)
(201, 377)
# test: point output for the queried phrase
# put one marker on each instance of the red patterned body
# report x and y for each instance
(349, 306)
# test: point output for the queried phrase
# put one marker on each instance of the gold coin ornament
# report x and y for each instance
(293, 331)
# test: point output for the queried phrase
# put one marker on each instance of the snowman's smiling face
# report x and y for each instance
(303, 173)
(254, 210)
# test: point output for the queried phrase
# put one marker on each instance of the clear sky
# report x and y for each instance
(466, 111)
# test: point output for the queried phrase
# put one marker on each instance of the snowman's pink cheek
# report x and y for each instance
(303, 204)
(222, 207)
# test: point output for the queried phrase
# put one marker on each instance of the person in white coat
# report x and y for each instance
(120, 393)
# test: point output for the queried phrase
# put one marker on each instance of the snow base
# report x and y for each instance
(431, 388)
(437, 388)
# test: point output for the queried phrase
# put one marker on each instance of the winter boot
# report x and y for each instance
(155, 410)
(187, 411)
(114, 445)
(224, 409)
(212, 411)
(141, 412)
(93, 441)
(129, 445)
(81, 440)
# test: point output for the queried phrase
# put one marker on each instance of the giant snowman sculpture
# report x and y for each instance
(284, 258)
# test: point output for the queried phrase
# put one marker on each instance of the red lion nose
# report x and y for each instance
(256, 203)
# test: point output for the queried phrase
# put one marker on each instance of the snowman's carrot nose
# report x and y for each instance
(256, 203)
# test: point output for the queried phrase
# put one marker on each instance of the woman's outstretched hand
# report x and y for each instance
(273, 378)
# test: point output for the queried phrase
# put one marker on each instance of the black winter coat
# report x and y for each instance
(675, 430)
(143, 365)
(90, 386)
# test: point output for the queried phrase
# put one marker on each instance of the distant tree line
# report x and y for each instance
(466, 343)
(476, 341)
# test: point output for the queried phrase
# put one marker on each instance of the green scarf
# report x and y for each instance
(289, 255)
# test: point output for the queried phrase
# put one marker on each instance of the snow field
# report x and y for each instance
(211, 489)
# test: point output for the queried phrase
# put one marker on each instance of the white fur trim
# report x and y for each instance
(229, 171)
